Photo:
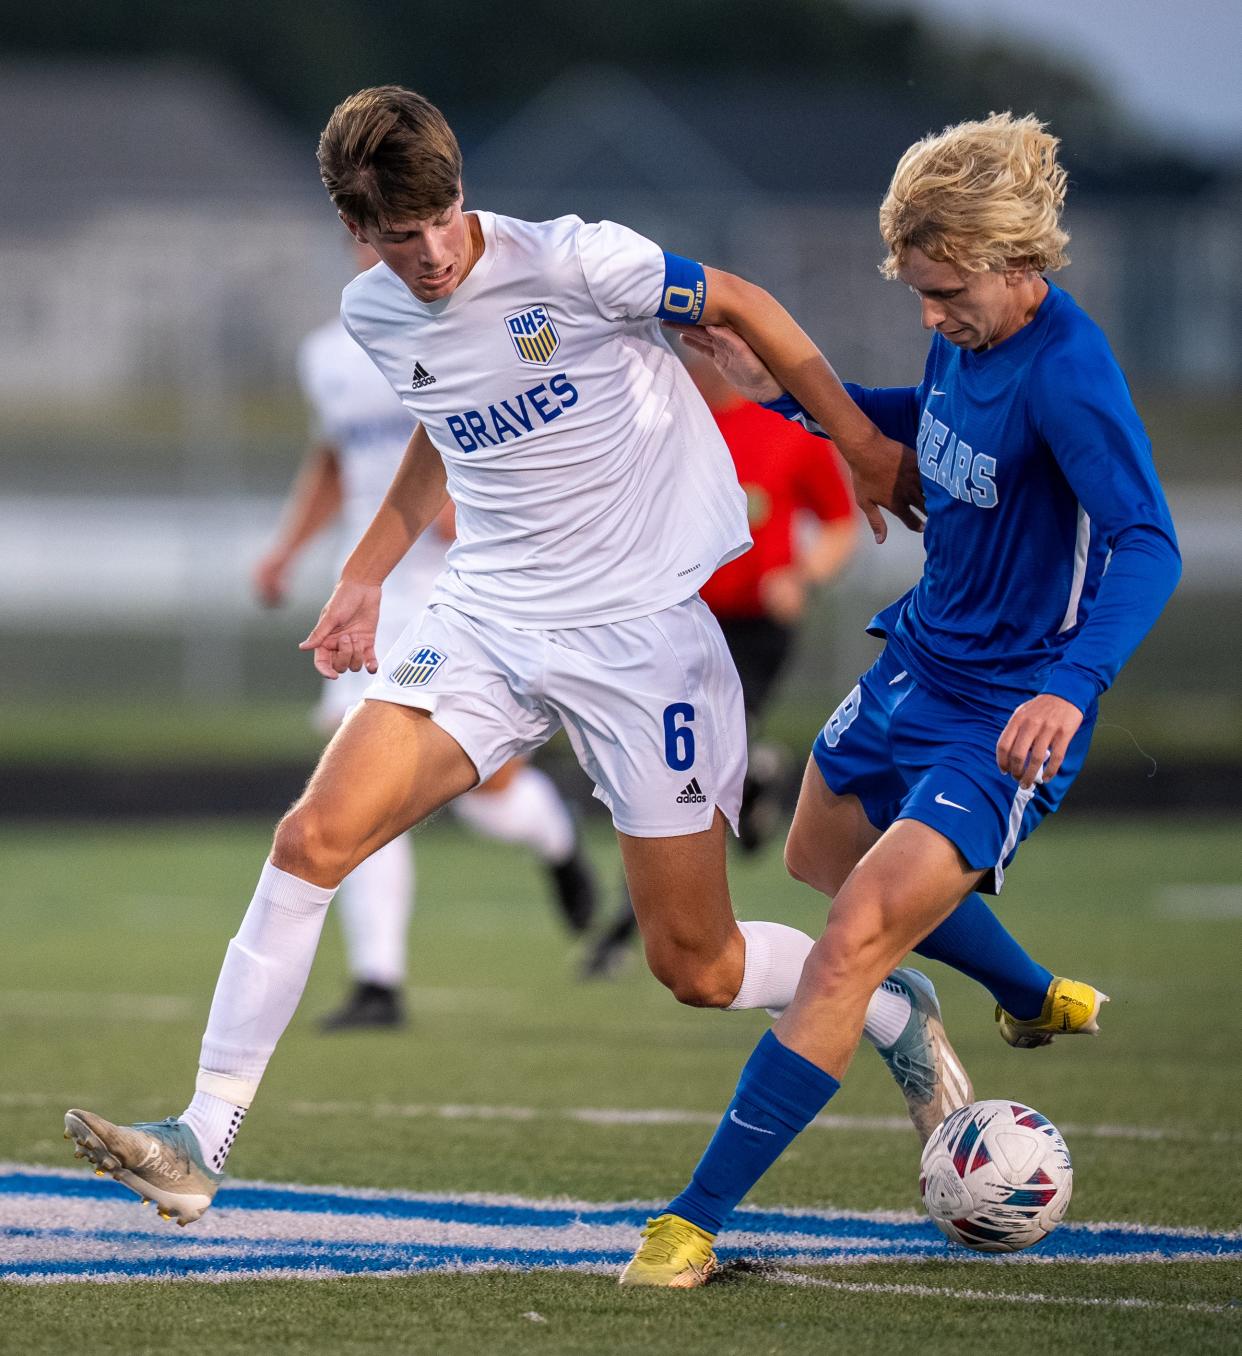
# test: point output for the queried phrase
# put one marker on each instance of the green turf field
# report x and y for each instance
(113, 940)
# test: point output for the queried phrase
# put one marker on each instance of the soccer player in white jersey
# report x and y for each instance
(359, 433)
(593, 493)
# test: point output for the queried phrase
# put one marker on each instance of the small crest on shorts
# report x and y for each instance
(533, 334)
(417, 667)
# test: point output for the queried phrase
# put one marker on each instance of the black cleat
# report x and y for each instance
(369, 1005)
(610, 950)
(574, 884)
(759, 819)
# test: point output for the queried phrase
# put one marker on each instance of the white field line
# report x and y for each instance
(35, 1099)
(143, 1007)
(606, 1116)
(782, 1277)
(328, 1272)
(26, 1218)
(613, 1116)
(1200, 903)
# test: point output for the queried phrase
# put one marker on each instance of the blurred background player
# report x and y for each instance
(802, 519)
(359, 433)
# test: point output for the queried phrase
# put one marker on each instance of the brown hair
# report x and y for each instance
(982, 196)
(387, 155)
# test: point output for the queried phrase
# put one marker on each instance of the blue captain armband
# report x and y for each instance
(685, 291)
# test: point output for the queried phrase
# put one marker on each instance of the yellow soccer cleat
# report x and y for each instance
(1070, 1009)
(673, 1253)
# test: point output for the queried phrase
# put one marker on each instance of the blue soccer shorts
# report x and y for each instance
(908, 752)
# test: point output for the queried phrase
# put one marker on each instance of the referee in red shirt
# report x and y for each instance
(801, 514)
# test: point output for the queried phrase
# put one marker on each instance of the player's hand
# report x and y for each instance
(783, 594)
(886, 475)
(270, 578)
(343, 638)
(734, 358)
(1032, 746)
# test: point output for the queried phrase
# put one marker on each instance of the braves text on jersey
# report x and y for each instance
(590, 480)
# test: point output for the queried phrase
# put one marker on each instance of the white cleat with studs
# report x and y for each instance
(161, 1161)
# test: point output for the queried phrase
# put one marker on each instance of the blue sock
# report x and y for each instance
(778, 1095)
(973, 940)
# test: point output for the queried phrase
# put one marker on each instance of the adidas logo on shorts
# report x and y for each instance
(421, 378)
(692, 794)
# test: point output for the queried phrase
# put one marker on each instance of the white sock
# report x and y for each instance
(775, 955)
(529, 810)
(375, 904)
(887, 1014)
(215, 1123)
(264, 972)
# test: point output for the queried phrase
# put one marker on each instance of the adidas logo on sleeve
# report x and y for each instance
(421, 378)
(692, 794)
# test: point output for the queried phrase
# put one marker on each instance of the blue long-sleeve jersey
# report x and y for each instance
(1050, 548)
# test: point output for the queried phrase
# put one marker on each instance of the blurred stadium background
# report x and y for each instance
(165, 244)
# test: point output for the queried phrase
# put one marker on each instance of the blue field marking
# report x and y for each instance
(337, 1201)
(67, 1226)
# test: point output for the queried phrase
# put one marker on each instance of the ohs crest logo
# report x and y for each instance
(415, 670)
(534, 335)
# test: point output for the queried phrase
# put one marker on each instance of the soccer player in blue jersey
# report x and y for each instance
(1050, 554)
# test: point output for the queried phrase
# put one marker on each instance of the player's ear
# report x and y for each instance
(353, 228)
(1017, 271)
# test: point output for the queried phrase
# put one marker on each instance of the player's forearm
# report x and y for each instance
(1140, 579)
(314, 501)
(415, 497)
(790, 356)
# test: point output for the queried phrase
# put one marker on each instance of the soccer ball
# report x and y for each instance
(996, 1176)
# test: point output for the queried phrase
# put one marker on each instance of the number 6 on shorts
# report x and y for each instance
(678, 739)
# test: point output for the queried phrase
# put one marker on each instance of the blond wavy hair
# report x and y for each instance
(983, 196)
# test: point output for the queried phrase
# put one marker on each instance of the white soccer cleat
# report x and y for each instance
(931, 1077)
(161, 1161)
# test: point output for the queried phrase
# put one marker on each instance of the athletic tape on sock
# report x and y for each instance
(238, 1091)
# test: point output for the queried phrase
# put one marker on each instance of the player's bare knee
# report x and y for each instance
(705, 987)
(698, 980)
(304, 848)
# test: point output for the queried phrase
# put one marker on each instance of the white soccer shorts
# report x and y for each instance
(652, 706)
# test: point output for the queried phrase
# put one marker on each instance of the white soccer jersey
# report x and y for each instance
(591, 482)
(354, 409)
